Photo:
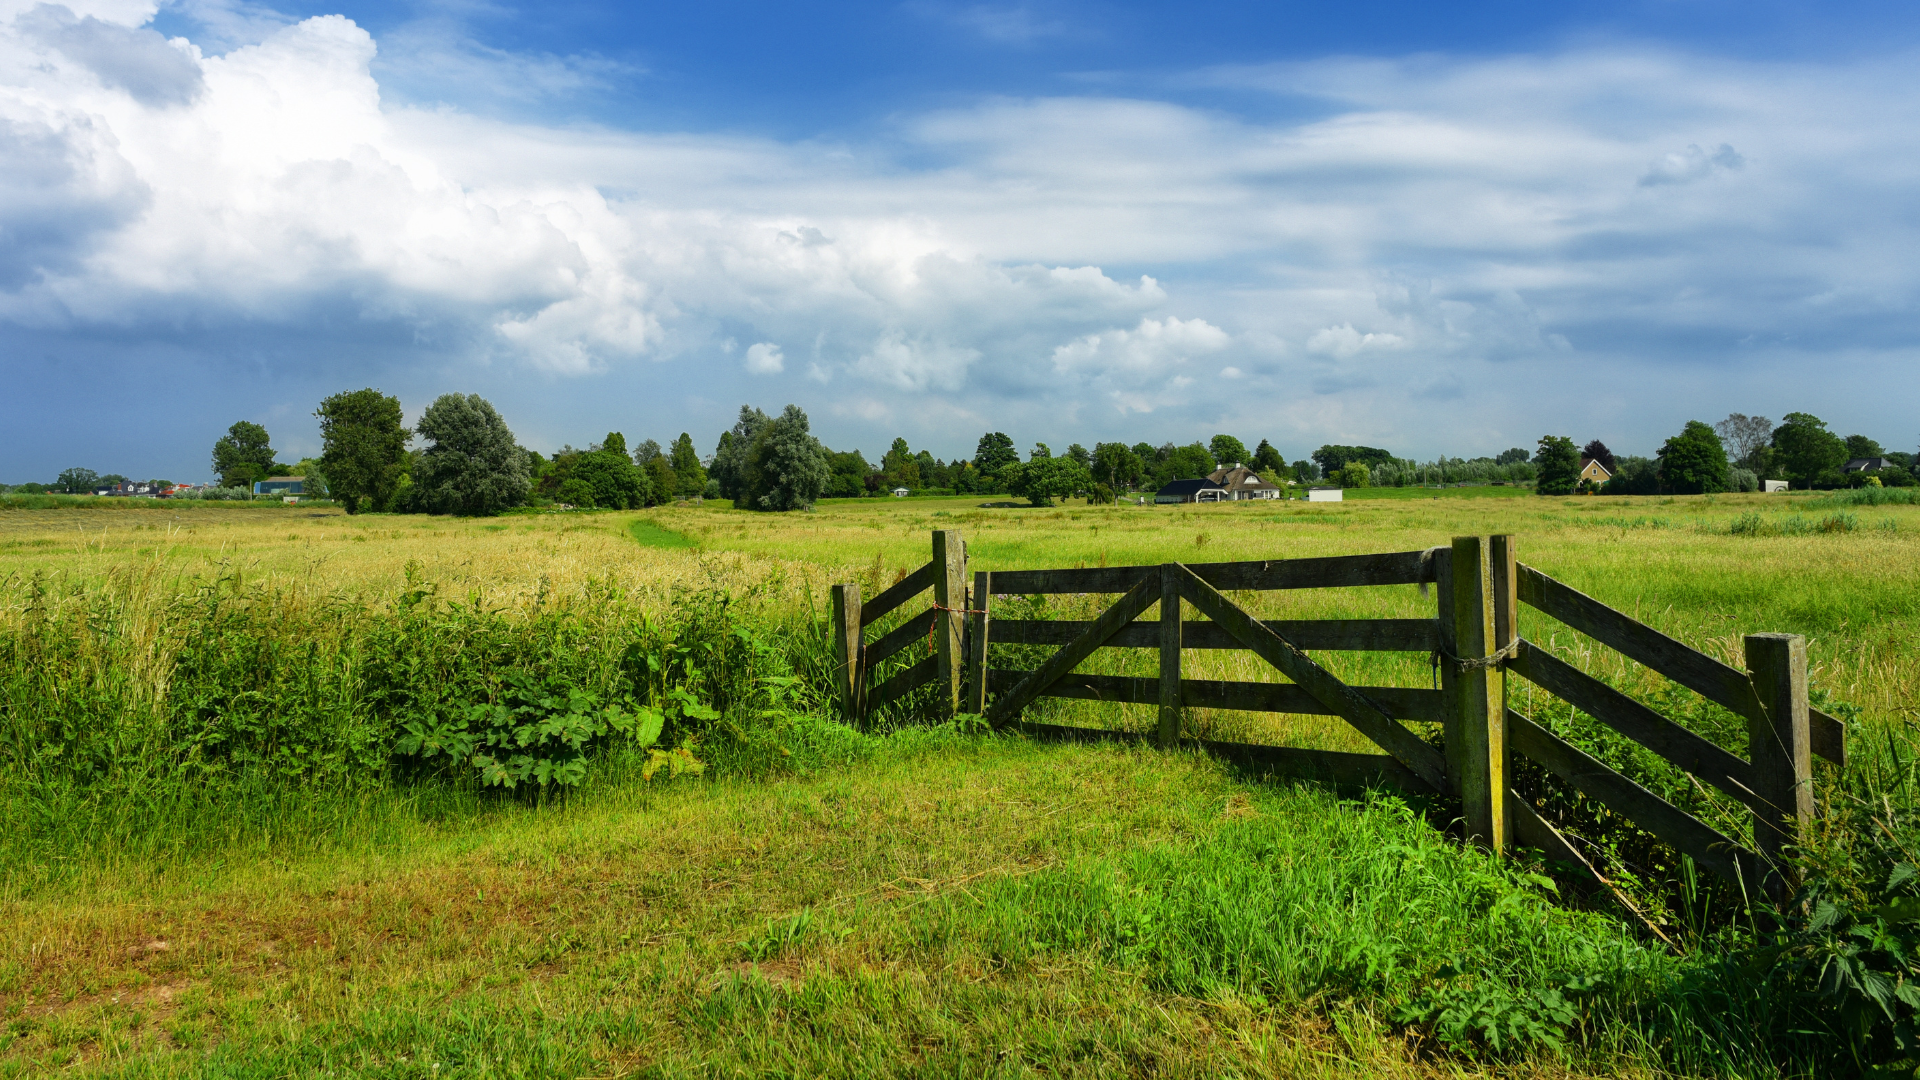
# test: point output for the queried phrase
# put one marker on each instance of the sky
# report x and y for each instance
(1438, 229)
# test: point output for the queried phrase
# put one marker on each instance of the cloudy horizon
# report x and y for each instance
(1060, 223)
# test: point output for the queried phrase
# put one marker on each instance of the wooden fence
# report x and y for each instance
(1472, 638)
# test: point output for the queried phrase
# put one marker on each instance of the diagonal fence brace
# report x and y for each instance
(1347, 703)
(1137, 599)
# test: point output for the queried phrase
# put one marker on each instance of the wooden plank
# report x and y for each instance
(1137, 600)
(847, 671)
(1345, 769)
(1333, 635)
(896, 594)
(1170, 627)
(903, 683)
(1346, 703)
(912, 632)
(1679, 829)
(1333, 572)
(1399, 702)
(1700, 756)
(950, 604)
(981, 604)
(1782, 760)
(1695, 670)
(1476, 745)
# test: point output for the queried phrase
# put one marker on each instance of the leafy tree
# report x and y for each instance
(1190, 462)
(112, 479)
(1806, 452)
(689, 477)
(1859, 446)
(1693, 462)
(471, 464)
(1147, 454)
(77, 481)
(730, 457)
(933, 471)
(1044, 479)
(1226, 450)
(900, 467)
(242, 457)
(1597, 451)
(1559, 465)
(1115, 464)
(994, 452)
(645, 452)
(786, 465)
(612, 480)
(1636, 476)
(848, 479)
(1332, 458)
(363, 446)
(617, 443)
(661, 480)
(1745, 437)
(1512, 457)
(1076, 452)
(1040, 450)
(1268, 462)
(1306, 471)
(1354, 474)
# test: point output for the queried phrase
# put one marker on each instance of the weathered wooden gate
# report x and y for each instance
(1472, 640)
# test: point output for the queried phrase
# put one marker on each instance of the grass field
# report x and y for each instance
(832, 903)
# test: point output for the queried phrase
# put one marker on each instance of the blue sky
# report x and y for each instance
(1436, 229)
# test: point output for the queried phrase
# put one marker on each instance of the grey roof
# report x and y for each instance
(1860, 463)
(1188, 487)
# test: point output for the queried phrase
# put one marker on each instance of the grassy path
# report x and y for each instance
(949, 907)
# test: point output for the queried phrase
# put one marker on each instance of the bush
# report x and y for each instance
(1742, 480)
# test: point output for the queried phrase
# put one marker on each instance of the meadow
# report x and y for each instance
(218, 863)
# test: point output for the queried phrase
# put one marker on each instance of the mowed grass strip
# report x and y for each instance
(950, 907)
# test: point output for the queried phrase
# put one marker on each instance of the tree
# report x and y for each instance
(1226, 450)
(617, 443)
(1693, 462)
(1306, 471)
(730, 457)
(603, 478)
(1354, 474)
(1332, 458)
(1044, 479)
(1597, 451)
(1190, 462)
(1559, 465)
(1744, 436)
(1076, 452)
(848, 479)
(1806, 452)
(1512, 457)
(1268, 462)
(1115, 464)
(786, 465)
(900, 467)
(77, 481)
(646, 452)
(1637, 476)
(1040, 451)
(1859, 446)
(362, 446)
(994, 452)
(242, 457)
(661, 480)
(471, 464)
(689, 478)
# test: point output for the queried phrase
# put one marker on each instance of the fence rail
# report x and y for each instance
(1472, 639)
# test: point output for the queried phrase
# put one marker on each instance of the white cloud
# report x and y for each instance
(1343, 341)
(765, 359)
(1690, 165)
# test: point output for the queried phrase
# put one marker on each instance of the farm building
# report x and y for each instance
(1771, 486)
(1241, 482)
(1186, 491)
(901, 493)
(281, 485)
(1324, 494)
(1867, 464)
(1591, 469)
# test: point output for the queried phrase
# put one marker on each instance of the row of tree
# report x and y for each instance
(1736, 454)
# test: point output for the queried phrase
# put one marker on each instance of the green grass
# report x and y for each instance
(650, 534)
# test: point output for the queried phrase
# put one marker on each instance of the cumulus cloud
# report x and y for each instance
(1343, 341)
(765, 359)
(1691, 164)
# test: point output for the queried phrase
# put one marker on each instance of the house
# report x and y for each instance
(1325, 494)
(1186, 491)
(280, 485)
(1243, 483)
(1770, 486)
(901, 493)
(1867, 464)
(1592, 470)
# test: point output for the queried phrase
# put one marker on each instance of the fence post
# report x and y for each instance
(847, 676)
(1476, 718)
(1781, 749)
(949, 596)
(1169, 654)
(981, 601)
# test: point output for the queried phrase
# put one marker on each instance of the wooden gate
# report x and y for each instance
(1472, 640)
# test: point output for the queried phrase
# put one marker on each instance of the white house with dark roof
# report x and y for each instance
(1241, 483)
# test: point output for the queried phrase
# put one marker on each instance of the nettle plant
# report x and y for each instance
(540, 731)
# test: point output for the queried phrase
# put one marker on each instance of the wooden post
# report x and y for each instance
(950, 595)
(982, 604)
(1476, 720)
(847, 676)
(1781, 749)
(1169, 654)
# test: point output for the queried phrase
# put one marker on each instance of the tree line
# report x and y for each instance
(1736, 454)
